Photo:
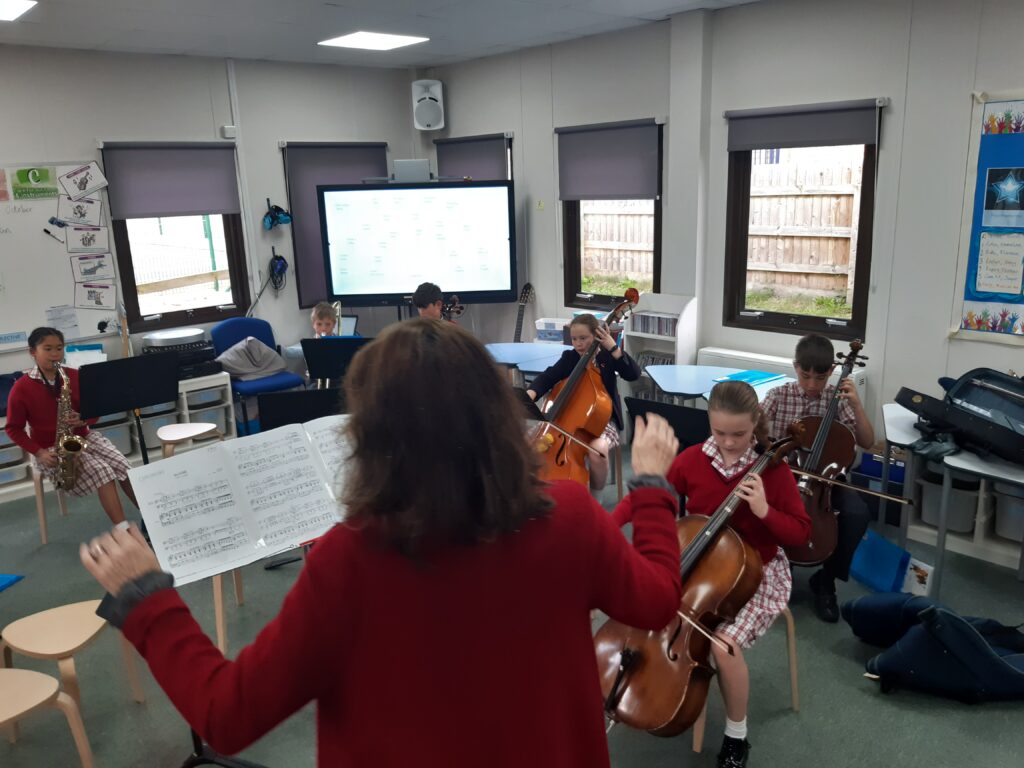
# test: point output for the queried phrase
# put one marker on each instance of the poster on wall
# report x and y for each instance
(87, 239)
(95, 296)
(81, 181)
(91, 267)
(994, 285)
(33, 182)
(85, 211)
(5, 193)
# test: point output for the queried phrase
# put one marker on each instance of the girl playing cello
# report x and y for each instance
(772, 517)
(610, 360)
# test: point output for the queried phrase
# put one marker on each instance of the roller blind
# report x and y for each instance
(610, 161)
(481, 158)
(188, 179)
(807, 125)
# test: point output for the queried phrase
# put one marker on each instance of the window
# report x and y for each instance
(178, 232)
(799, 218)
(610, 187)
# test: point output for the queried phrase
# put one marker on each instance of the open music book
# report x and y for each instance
(231, 503)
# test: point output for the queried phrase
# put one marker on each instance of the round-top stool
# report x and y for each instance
(58, 634)
(173, 435)
(23, 691)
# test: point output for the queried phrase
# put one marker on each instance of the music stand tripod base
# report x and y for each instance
(204, 755)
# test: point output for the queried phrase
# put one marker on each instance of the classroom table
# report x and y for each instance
(528, 357)
(991, 468)
(687, 381)
(763, 389)
(898, 423)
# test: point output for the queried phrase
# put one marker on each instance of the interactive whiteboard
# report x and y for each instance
(382, 240)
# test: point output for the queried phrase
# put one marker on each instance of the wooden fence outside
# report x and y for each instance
(618, 238)
(802, 236)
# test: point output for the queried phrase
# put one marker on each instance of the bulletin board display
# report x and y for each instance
(993, 272)
(56, 265)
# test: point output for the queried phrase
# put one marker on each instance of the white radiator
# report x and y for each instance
(754, 361)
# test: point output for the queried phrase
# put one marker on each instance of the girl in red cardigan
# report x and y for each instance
(33, 404)
(446, 622)
(773, 517)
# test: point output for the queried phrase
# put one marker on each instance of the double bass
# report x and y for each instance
(658, 681)
(578, 412)
(827, 449)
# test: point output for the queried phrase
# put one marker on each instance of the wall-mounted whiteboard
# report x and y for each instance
(69, 271)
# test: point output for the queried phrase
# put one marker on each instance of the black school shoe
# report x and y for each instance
(734, 753)
(825, 605)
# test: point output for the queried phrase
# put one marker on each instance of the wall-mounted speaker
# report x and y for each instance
(427, 105)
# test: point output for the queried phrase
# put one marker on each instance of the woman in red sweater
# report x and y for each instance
(32, 403)
(773, 517)
(446, 621)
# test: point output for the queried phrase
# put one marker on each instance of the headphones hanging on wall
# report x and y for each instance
(275, 215)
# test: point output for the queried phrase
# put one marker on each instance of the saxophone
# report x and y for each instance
(69, 446)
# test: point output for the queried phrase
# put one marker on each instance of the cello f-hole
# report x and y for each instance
(670, 654)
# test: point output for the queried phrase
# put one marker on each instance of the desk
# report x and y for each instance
(687, 381)
(991, 468)
(526, 357)
(763, 389)
(898, 423)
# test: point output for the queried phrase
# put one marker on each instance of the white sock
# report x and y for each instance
(736, 730)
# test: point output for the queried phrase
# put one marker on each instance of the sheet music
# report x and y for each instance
(329, 442)
(284, 487)
(229, 504)
(194, 515)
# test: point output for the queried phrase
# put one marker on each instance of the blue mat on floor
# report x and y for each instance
(6, 580)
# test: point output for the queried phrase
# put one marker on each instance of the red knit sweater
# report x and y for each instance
(479, 656)
(32, 403)
(704, 489)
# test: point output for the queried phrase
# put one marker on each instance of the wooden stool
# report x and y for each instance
(794, 692)
(172, 435)
(58, 634)
(23, 691)
(62, 502)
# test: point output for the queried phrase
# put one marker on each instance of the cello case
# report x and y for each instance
(983, 410)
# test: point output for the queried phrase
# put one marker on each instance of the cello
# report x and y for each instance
(658, 681)
(827, 449)
(578, 412)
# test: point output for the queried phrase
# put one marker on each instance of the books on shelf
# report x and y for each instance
(753, 378)
(659, 325)
(232, 503)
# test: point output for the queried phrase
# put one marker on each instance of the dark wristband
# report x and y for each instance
(116, 609)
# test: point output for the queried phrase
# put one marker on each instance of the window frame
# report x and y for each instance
(737, 220)
(572, 248)
(237, 268)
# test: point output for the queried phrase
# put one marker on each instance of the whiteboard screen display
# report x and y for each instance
(381, 241)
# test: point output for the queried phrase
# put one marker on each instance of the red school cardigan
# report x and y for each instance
(473, 656)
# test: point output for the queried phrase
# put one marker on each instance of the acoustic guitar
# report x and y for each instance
(525, 297)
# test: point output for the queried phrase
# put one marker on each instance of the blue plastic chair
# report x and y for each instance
(233, 330)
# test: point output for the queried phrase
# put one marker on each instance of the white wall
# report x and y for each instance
(59, 104)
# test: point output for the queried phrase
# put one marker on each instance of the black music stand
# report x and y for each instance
(129, 384)
(328, 358)
(690, 424)
(279, 409)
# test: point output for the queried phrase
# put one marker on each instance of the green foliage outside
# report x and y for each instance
(606, 285)
(816, 306)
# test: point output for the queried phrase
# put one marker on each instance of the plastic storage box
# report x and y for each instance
(10, 454)
(1009, 511)
(120, 435)
(211, 416)
(204, 397)
(152, 424)
(14, 474)
(963, 499)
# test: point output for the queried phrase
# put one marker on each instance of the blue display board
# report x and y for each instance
(994, 286)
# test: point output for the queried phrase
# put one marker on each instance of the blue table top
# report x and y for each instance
(529, 357)
(687, 380)
(764, 389)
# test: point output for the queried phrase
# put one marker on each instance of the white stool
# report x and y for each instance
(173, 435)
(62, 502)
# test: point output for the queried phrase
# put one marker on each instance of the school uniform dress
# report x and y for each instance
(700, 476)
(608, 366)
(788, 403)
(467, 656)
(32, 424)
